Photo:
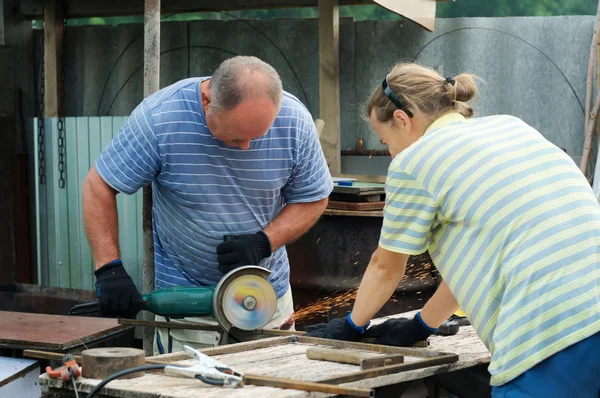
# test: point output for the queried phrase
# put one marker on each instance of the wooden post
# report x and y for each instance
(329, 82)
(151, 85)
(53, 39)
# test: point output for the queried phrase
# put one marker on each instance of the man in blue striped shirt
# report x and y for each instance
(231, 154)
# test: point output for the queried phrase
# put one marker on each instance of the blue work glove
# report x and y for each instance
(400, 331)
(240, 250)
(337, 329)
(117, 295)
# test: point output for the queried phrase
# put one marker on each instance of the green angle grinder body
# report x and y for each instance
(244, 299)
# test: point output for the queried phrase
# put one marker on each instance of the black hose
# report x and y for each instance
(123, 373)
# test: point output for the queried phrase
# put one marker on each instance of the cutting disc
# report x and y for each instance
(245, 299)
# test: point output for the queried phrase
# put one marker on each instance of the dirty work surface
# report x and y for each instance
(52, 332)
(285, 360)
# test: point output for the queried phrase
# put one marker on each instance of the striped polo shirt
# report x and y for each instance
(203, 189)
(513, 227)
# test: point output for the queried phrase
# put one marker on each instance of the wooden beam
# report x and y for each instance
(329, 81)
(103, 8)
(53, 40)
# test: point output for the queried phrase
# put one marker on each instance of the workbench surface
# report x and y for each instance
(286, 361)
(23, 330)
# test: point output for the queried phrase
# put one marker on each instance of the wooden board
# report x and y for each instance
(333, 204)
(353, 213)
(52, 332)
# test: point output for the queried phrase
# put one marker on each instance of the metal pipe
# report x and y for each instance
(151, 85)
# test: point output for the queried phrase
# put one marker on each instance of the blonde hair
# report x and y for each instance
(422, 88)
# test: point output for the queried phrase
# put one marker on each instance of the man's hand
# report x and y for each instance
(336, 329)
(400, 331)
(118, 296)
(243, 250)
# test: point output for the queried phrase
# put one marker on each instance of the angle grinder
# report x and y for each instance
(243, 298)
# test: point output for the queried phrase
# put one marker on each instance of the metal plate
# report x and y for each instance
(245, 299)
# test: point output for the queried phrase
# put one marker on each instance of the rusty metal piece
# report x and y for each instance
(53, 356)
(279, 382)
(170, 325)
(99, 363)
(362, 359)
(381, 360)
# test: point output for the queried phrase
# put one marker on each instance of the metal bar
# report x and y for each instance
(365, 152)
(383, 360)
(386, 349)
(151, 85)
(228, 349)
(265, 332)
(170, 325)
(54, 356)
(279, 382)
(387, 370)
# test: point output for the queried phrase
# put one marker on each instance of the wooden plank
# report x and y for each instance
(329, 82)
(353, 213)
(53, 41)
(104, 8)
(52, 332)
(337, 205)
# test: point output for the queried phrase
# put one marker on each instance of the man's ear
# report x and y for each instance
(205, 99)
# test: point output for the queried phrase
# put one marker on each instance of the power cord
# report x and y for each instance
(110, 378)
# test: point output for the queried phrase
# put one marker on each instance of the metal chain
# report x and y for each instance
(61, 112)
(40, 120)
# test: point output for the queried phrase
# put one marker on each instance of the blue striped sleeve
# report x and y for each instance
(408, 214)
(310, 180)
(131, 159)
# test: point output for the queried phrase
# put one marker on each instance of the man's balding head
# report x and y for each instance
(240, 78)
(242, 100)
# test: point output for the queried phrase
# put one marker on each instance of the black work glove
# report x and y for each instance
(400, 331)
(117, 295)
(240, 250)
(336, 329)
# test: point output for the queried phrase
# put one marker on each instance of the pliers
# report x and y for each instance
(207, 369)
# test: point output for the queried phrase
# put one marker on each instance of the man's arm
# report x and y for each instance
(100, 218)
(381, 278)
(293, 221)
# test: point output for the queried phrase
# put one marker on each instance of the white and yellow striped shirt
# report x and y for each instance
(513, 227)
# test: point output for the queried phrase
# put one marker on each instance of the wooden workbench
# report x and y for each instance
(283, 361)
(21, 330)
